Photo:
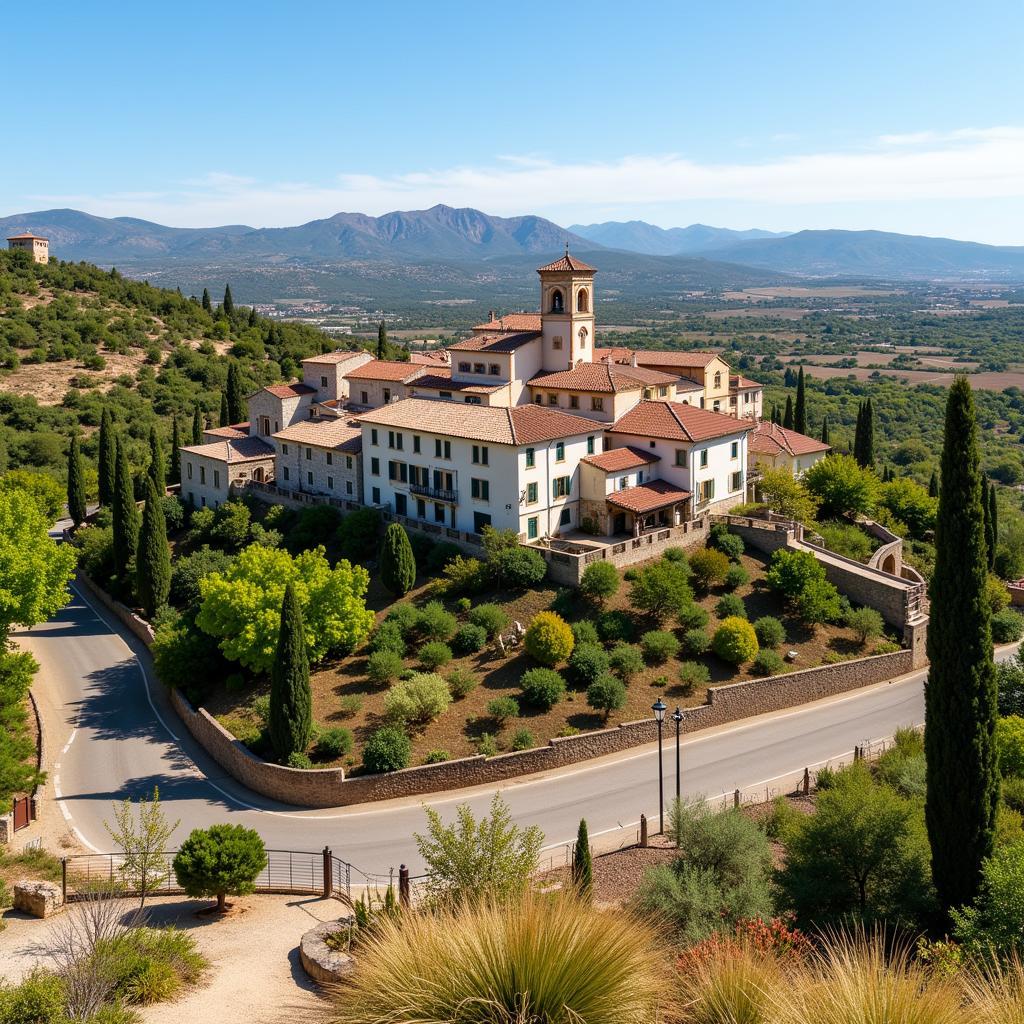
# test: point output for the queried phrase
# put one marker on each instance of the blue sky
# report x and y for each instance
(904, 116)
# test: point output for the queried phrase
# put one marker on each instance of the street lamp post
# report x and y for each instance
(677, 717)
(659, 708)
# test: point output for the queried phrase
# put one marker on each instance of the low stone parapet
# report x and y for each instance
(40, 899)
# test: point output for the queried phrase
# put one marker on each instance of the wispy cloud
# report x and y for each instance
(968, 164)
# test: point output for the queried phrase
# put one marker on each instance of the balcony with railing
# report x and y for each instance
(434, 493)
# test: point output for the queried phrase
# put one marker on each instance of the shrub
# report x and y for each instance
(693, 673)
(502, 708)
(221, 861)
(997, 594)
(387, 750)
(435, 622)
(405, 616)
(842, 486)
(769, 631)
(607, 694)
(659, 645)
(356, 535)
(487, 745)
(730, 605)
(693, 616)
(587, 663)
(388, 637)
(549, 639)
(312, 527)
(600, 581)
(350, 704)
(696, 641)
(585, 632)
(1012, 793)
(435, 655)
(382, 667)
(768, 663)
(491, 617)
(1007, 626)
(190, 569)
(542, 687)
(616, 627)
(729, 544)
(866, 624)
(463, 605)
(674, 555)
(627, 661)
(736, 576)
(436, 756)
(40, 998)
(522, 739)
(334, 743)
(461, 682)
(846, 539)
(440, 555)
(463, 575)
(661, 589)
(469, 638)
(519, 568)
(735, 641)
(708, 567)
(1010, 745)
(299, 759)
(421, 698)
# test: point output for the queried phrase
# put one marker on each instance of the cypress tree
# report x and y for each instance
(787, 419)
(993, 516)
(858, 434)
(157, 471)
(76, 482)
(800, 409)
(397, 562)
(776, 415)
(175, 474)
(824, 431)
(107, 458)
(582, 864)
(933, 484)
(236, 396)
(197, 426)
(960, 697)
(125, 518)
(252, 316)
(229, 302)
(207, 304)
(986, 509)
(225, 413)
(291, 701)
(869, 435)
(382, 340)
(153, 562)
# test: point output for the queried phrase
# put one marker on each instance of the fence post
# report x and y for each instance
(807, 781)
(643, 831)
(736, 798)
(328, 873)
(403, 885)
(64, 878)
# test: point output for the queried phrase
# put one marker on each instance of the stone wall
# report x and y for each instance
(138, 625)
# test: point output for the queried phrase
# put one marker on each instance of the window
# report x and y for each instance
(681, 457)
(552, 399)
(471, 400)
(287, 475)
(444, 394)
(640, 477)
(494, 370)
(375, 493)
(556, 343)
(590, 445)
(348, 461)
(717, 406)
(309, 454)
(648, 393)
(284, 449)
(561, 486)
(538, 399)
(479, 368)
(531, 528)
(309, 479)
(348, 486)
(395, 440)
(416, 444)
(365, 397)
(398, 471)
(597, 404)
(718, 378)
(373, 435)
(736, 481)
(442, 446)
(531, 458)
(557, 301)
(480, 454)
(375, 466)
(560, 451)
(582, 301)
(574, 401)
(704, 458)
(479, 489)
(623, 483)
(583, 337)
(734, 450)
(707, 490)
(401, 504)
(190, 471)
(216, 478)
(202, 474)
(323, 381)
(566, 517)
(464, 367)
(480, 520)
(662, 392)
(387, 395)
(438, 513)
(531, 494)
(421, 509)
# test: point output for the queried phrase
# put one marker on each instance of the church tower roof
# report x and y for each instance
(568, 262)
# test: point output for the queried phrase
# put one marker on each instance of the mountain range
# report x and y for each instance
(639, 236)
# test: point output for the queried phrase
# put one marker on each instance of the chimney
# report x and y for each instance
(490, 316)
(632, 360)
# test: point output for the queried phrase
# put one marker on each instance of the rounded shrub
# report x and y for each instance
(490, 617)
(222, 860)
(383, 667)
(585, 632)
(542, 687)
(659, 645)
(599, 582)
(299, 759)
(768, 663)
(692, 616)
(435, 655)
(436, 756)
(387, 750)
(434, 622)
(1010, 745)
(735, 641)
(502, 708)
(674, 555)
(334, 743)
(469, 638)
(606, 694)
(522, 739)
(520, 568)
(693, 673)
(461, 682)
(1012, 793)
(440, 555)
(549, 639)
(587, 663)
(736, 576)
(730, 544)
(730, 605)
(616, 626)
(696, 641)
(866, 623)
(420, 698)
(463, 605)
(388, 636)
(403, 615)
(708, 567)
(1007, 626)
(487, 745)
(626, 661)
(769, 631)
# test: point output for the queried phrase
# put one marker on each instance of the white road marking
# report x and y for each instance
(71, 739)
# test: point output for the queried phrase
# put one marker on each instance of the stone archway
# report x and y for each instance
(889, 564)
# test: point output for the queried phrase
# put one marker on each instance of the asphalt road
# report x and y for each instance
(111, 734)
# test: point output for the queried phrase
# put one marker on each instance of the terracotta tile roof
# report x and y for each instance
(385, 369)
(442, 380)
(615, 460)
(241, 449)
(650, 357)
(568, 262)
(770, 439)
(330, 433)
(525, 424)
(648, 497)
(25, 235)
(290, 390)
(675, 421)
(603, 377)
(337, 356)
(234, 430)
(512, 322)
(438, 358)
(743, 383)
(499, 342)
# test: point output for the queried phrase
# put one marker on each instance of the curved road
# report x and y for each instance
(110, 734)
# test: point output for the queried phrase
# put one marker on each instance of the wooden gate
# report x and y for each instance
(22, 812)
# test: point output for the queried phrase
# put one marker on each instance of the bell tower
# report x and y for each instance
(567, 312)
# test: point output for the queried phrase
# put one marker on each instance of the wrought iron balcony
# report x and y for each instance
(435, 493)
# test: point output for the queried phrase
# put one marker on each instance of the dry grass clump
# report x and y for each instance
(996, 995)
(543, 960)
(738, 985)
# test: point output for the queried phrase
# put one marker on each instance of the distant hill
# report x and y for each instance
(639, 236)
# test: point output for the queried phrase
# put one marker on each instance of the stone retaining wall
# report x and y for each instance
(138, 625)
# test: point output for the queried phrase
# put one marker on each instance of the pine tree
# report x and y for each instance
(960, 698)
(153, 561)
(107, 458)
(207, 304)
(582, 864)
(397, 562)
(824, 431)
(291, 701)
(157, 470)
(933, 484)
(225, 413)
(197, 426)
(800, 409)
(229, 302)
(236, 395)
(787, 419)
(76, 482)
(175, 475)
(382, 340)
(125, 519)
